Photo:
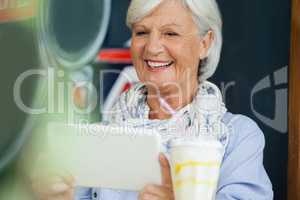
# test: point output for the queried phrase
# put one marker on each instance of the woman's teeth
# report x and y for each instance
(159, 64)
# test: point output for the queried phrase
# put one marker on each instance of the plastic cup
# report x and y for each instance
(195, 167)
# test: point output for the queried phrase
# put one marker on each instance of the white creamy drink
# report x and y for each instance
(195, 166)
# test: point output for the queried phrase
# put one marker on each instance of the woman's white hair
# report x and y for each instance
(206, 16)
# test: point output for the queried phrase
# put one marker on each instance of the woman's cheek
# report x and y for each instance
(140, 73)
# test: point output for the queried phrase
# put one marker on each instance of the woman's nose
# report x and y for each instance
(153, 45)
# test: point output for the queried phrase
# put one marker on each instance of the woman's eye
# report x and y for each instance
(140, 33)
(171, 34)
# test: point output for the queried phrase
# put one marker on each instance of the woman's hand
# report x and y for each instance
(53, 187)
(47, 184)
(160, 192)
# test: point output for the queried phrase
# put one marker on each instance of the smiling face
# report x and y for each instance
(166, 47)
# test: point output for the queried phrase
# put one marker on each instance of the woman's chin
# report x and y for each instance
(159, 77)
(156, 82)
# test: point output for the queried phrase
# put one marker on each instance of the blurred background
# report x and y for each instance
(68, 61)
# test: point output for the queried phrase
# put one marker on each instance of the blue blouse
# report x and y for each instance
(242, 174)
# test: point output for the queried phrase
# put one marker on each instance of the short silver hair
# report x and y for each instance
(206, 16)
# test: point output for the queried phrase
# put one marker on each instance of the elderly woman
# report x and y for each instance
(175, 47)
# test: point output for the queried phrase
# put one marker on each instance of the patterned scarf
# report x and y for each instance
(202, 118)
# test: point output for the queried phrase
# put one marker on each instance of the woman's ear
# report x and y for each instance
(205, 44)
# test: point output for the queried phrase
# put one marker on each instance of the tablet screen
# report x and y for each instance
(115, 157)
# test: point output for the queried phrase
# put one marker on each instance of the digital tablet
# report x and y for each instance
(116, 157)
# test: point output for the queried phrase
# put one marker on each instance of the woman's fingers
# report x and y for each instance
(68, 195)
(157, 192)
(69, 179)
(146, 196)
(50, 185)
(53, 187)
(60, 187)
(165, 170)
(160, 192)
(47, 183)
(46, 191)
